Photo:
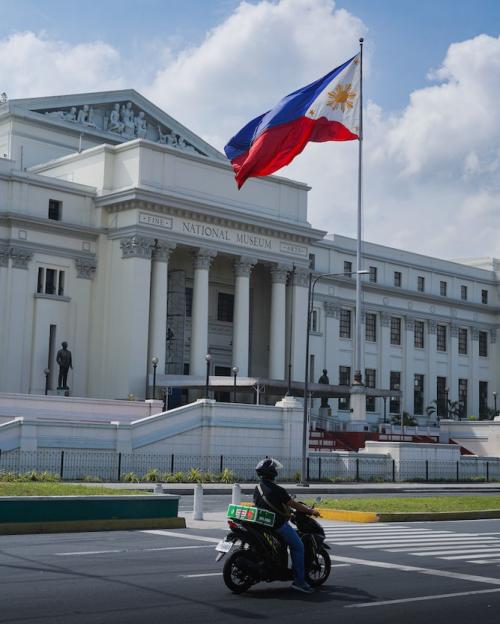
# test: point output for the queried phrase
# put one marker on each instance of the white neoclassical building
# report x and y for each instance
(123, 234)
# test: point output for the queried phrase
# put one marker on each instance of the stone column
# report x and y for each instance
(199, 319)
(453, 364)
(474, 368)
(4, 271)
(241, 316)
(299, 323)
(384, 362)
(277, 332)
(430, 388)
(408, 372)
(157, 335)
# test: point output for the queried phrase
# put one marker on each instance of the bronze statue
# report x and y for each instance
(63, 358)
(324, 380)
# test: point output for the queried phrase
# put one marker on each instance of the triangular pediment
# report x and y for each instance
(117, 116)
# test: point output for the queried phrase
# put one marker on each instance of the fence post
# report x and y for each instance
(393, 470)
(198, 502)
(458, 471)
(61, 471)
(319, 469)
(222, 464)
(427, 470)
(119, 466)
(307, 470)
(172, 464)
(487, 471)
(236, 494)
(357, 468)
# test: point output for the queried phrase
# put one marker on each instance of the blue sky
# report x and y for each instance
(405, 37)
(432, 87)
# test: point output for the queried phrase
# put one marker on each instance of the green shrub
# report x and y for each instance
(194, 475)
(179, 477)
(296, 477)
(209, 477)
(153, 474)
(91, 479)
(130, 477)
(227, 476)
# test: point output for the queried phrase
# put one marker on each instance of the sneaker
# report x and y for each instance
(302, 587)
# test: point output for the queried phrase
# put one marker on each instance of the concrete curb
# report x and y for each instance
(370, 516)
(82, 526)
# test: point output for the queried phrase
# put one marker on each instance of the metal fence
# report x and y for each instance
(78, 464)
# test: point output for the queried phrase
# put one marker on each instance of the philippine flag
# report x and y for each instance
(326, 110)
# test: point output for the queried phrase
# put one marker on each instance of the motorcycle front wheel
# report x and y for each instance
(234, 574)
(320, 568)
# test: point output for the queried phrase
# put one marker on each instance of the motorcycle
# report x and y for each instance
(257, 553)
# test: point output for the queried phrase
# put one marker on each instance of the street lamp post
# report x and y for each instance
(310, 299)
(46, 373)
(154, 361)
(495, 400)
(236, 370)
(208, 359)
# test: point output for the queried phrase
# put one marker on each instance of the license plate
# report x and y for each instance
(224, 547)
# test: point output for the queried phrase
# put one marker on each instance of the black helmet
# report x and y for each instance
(268, 468)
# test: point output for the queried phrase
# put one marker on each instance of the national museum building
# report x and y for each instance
(123, 234)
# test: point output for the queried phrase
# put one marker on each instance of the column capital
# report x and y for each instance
(432, 327)
(85, 268)
(410, 323)
(332, 310)
(454, 330)
(385, 319)
(243, 267)
(279, 273)
(301, 277)
(474, 333)
(137, 247)
(493, 335)
(4, 257)
(202, 259)
(20, 257)
(161, 253)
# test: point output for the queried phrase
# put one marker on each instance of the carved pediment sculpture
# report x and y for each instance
(123, 120)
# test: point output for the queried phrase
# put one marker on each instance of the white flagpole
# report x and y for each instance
(358, 376)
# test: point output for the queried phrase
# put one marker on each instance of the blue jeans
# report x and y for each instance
(291, 537)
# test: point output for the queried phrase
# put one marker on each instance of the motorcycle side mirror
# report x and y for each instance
(318, 499)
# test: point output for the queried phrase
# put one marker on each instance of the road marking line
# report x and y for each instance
(443, 547)
(201, 538)
(417, 542)
(407, 568)
(452, 552)
(419, 599)
(494, 553)
(105, 552)
(484, 561)
(200, 575)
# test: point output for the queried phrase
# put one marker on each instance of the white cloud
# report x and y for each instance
(35, 65)
(431, 171)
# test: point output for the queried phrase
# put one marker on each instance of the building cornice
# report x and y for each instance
(48, 250)
(37, 179)
(72, 230)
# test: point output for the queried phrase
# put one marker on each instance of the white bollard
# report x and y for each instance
(198, 502)
(158, 489)
(236, 494)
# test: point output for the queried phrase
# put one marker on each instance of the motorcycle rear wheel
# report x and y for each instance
(320, 568)
(235, 578)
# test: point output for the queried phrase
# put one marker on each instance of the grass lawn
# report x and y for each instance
(40, 488)
(391, 505)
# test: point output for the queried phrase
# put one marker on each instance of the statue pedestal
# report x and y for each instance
(65, 392)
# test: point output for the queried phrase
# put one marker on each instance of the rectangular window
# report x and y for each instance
(395, 330)
(41, 280)
(370, 382)
(189, 302)
(462, 397)
(441, 337)
(225, 307)
(441, 397)
(50, 282)
(418, 394)
(418, 334)
(462, 341)
(397, 279)
(314, 321)
(370, 327)
(483, 399)
(344, 380)
(463, 293)
(55, 210)
(347, 268)
(483, 344)
(345, 324)
(395, 384)
(373, 274)
(420, 283)
(443, 288)
(484, 296)
(60, 284)
(312, 261)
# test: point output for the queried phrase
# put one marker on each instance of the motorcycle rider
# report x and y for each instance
(268, 495)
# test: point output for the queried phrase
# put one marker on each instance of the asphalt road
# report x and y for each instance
(389, 573)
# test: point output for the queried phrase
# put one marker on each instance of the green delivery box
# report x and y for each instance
(251, 514)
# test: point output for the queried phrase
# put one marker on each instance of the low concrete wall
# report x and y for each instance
(480, 437)
(26, 514)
